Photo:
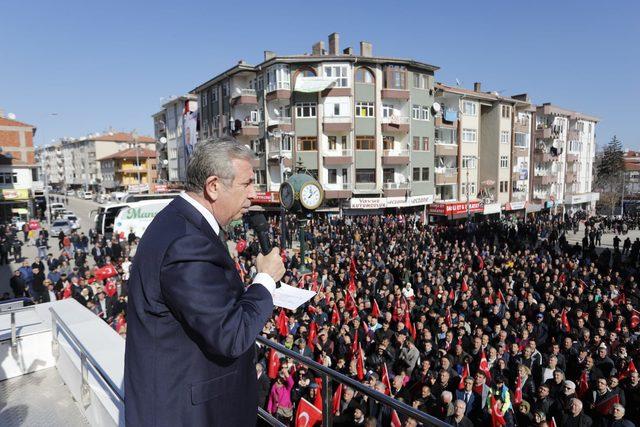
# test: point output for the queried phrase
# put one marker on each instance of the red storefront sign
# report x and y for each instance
(161, 188)
(455, 208)
(266, 197)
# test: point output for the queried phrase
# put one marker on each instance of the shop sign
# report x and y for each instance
(389, 202)
(14, 194)
(515, 206)
(456, 208)
(491, 208)
(265, 197)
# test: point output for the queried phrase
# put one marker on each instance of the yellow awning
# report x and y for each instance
(14, 194)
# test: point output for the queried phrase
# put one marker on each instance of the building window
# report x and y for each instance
(504, 186)
(214, 94)
(365, 109)
(420, 143)
(278, 77)
(420, 112)
(365, 143)
(345, 176)
(415, 112)
(469, 135)
(332, 142)
(472, 189)
(261, 176)
(420, 81)
(504, 161)
(225, 89)
(306, 109)
(506, 112)
(505, 136)
(425, 143)
(468, 162)
(425, 174)
(364, 76)
(307, 72)
(521, 140)
(365, 175)
(396, 77)
(387, 175)
(387, 110)
(339, 73)
(469, 108)
(332, 176)
(388, 142)
(307, 143)
(416, 174)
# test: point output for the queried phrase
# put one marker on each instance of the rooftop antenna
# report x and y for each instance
(458, 82)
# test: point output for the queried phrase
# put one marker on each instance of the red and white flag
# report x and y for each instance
(375, 310)
(395, 419)
(565, 321)
(517, 399)
(631, 368)
(106, 272)
(337, 397)
(606, 405)
(360, 364)
(497, 416)
(307, 415)
(282, 323)
(484, 365)
(465, 374)
(385, 379)
(635, 319)
(274, 364)
(313, 333)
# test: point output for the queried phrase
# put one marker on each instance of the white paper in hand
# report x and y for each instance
(291, 298)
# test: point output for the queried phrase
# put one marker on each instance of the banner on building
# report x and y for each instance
(389, 202)
(456, 208)
(189, 129)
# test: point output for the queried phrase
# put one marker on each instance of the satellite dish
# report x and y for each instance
(165, 162)
(11, 116)
(238, 90)
(276, 111)
(436, 107)
(163, 140)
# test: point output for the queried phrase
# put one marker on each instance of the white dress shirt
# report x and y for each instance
(261, 278)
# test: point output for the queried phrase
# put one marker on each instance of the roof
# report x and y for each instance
(130, 153)
(489, 96)
(294, 59)
(548, 108)
(114, 137)
(631, 166)
(4, 121)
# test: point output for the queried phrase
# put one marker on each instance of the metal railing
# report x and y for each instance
(395, 185)
(11, 308)
(86, 359)
(327, 375)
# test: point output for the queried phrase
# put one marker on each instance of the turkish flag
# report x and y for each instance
(317, 401)
(409, 325)
(447, 318)
(518, 393)
(375, 310)
(464, 287)
(360, 364)
(385, 379)
(105, 272)
(497, 417)
(635, 319)
(307, 415)
(465, 374)
(583, 385)
(565, 321)
(313, 333)
(631, 367)
(348, 301)
(110, 288)
(484, 365)
(355, 343)
(241, 245)
(335, 316)
(274, 364)
(281, 322)
(552, 422)
(606, 405)
(502, 298)
(337, 397)
(395, 419)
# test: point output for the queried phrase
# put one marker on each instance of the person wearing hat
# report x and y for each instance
(523, 414)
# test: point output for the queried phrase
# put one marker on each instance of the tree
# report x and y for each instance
(610, 170)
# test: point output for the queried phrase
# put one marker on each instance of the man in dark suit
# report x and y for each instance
(191, 325)
(470, 398)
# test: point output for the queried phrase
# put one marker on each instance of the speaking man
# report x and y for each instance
(191, 323)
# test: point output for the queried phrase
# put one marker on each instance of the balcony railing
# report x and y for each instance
(338, 186)
(345, 152)
(395, 153)
(446, 171)
(337, 119)
(446, 141)
(245, 92)
(396, 120)
(365, 186)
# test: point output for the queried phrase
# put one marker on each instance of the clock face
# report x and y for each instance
(286, 195)
(311, 195)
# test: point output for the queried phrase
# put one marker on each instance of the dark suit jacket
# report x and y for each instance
(473, 405)
(191, 328)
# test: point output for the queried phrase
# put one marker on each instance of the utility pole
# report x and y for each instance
(135, 144)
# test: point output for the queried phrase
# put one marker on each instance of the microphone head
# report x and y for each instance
(258, 222)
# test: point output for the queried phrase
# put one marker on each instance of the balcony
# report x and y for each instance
(544, 155)
(444, 148)
(365, 187)
(338, 157)
(447, 119)
(572, 157)
(337, 191)
(518, 196)
(571, 177)
(398, 124)
(545, 179)
(395, 189)
(399, 94)
(520, 150)
(245, 97)
(573, 134)
(248, 128)
(521, 125)
(280, 91)
(395, 157)
(337, 123)
(446, 176)
(281, 123)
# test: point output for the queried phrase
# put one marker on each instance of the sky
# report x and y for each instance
(76, 67)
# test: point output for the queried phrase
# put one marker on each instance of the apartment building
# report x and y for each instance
(168, 123)
(631, 161)
(79, 156)
(363, 125)
(17, 168)
(132, 169)
(50, 164)
(563, 158)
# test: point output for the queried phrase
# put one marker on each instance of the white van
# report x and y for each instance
(137, 216)
(87, 195)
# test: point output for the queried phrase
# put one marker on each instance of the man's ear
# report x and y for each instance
(212, 188)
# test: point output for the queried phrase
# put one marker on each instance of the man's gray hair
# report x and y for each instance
(215, 158)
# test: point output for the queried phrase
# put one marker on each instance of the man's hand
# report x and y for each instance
(271, 264)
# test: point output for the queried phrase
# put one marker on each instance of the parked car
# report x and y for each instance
(73, 220)
(57, 212)
(71, 193)
(61, 225)
(87, 195)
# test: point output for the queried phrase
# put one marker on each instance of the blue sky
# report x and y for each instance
(102, 64)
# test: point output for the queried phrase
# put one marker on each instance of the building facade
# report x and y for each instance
(361, 124)
(79, 156)
(168, 124)
(132, 169)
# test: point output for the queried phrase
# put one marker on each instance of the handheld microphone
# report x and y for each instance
(258, 223)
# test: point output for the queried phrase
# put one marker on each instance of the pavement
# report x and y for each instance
(82, 208)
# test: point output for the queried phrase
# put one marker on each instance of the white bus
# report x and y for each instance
(105, 217)
(137, 217)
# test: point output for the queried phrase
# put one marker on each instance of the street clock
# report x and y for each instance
(301, 193)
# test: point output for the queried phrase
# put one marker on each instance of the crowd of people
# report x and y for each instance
(491, 323)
